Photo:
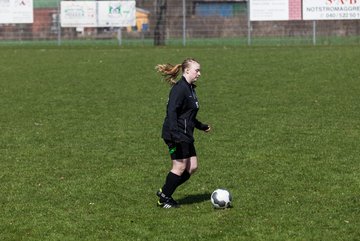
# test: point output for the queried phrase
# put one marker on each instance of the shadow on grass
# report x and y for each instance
(195, 198)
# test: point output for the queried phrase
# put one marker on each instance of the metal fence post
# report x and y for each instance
(314, 32)
(249, 23)
(119, 36)
(184, 22)
(59, 24)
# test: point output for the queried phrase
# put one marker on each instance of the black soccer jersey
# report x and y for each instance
(181, 112)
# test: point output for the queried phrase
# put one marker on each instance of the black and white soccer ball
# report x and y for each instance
(221, 198)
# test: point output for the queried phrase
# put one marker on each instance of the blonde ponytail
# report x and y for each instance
(169, 72)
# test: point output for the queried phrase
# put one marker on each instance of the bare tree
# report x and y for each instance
(160, 27)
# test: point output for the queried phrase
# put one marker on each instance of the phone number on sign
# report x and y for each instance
(343, 15)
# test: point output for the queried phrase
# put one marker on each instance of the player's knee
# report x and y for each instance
(178, 169)
(193, 169)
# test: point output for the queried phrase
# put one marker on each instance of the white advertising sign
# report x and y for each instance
(116, 13)
(331, 9)
(78, 14)
(16, 11)
(98, 13)
(269, 10)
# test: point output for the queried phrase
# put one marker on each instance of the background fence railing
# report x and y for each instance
(191, 22)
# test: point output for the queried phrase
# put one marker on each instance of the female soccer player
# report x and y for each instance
(179, 125)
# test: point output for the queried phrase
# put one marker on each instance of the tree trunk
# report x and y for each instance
(160, 27)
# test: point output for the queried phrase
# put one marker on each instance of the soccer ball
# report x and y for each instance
(221, 198)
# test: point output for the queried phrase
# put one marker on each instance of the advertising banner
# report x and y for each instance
(277, 10)
(98, 13)
(116, 13)
(269, 10)
(331, 9)
(78, 14)
(16, 11)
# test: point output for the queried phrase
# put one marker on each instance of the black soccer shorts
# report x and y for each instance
(181, 150)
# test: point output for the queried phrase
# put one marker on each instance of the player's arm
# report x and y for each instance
(201, 126)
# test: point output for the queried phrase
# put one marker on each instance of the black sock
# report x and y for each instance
(184, 177)
(171, 183)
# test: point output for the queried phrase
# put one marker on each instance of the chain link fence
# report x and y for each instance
(180, 22)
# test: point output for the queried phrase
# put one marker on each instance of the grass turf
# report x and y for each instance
(81, 154)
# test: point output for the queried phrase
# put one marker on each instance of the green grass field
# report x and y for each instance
(81, 153)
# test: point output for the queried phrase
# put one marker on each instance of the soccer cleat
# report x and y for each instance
(169, 203)
(166, 202)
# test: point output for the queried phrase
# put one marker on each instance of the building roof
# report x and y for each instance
(141, 10)
(50, 3)
(46, 3)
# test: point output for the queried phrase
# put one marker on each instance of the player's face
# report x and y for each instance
(193, 72)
